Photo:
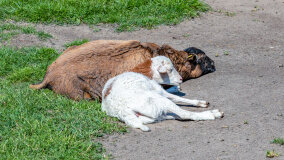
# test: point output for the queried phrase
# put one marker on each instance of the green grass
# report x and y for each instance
(76, 43)
(278, 141)
(227, 13)
(271, 154)
(128, 14)
(226, 53)
(41, 124)
(8, 30)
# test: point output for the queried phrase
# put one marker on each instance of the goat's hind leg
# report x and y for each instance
(187, 115)
(133, 121)
(88, 90)
(146, 120)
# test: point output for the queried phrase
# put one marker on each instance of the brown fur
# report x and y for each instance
(196, 71)
(144, 68)
(87, 95)
(108, 90)
(81, 71)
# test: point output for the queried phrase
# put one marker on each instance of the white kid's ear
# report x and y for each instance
(162, 68)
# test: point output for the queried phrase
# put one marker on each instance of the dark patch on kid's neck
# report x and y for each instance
(144, 68)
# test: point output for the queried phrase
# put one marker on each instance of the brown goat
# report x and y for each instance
(81, 71)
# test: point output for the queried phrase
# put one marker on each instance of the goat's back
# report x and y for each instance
(72, 74)
(129, 92)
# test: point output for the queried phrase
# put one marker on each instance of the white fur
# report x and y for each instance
(164, 72)
(137, 100)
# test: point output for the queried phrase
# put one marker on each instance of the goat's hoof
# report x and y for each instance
(217, 113)
(207, 103)
(222, 114)
(203, 104)
(145, 129)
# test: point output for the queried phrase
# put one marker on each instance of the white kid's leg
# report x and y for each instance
(134, 122)
(187, 115)
(170, 117)
(178, 99)
(146, 120)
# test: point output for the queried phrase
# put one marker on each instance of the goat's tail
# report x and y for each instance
(41, 85)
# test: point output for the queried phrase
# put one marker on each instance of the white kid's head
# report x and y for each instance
(164, 71)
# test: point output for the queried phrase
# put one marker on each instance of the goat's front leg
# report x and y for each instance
(178, 99)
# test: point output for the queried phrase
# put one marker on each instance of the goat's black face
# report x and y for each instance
(206, 64)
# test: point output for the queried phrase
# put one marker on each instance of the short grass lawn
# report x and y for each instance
(39, 124)
(128, 14)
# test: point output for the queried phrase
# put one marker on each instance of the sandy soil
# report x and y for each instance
(247, 86)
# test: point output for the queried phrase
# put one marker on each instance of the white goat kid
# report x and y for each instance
(137, 100)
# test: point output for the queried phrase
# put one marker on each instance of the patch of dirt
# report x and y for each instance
(25, 40)
(248, 86)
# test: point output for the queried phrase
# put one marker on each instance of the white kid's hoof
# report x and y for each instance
(145, 128)
(203, 104)
(217, 113)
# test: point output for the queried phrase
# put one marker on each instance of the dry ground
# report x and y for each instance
(246, 40)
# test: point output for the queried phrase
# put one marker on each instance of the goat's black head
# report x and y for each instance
(190, 63)
(198, 58)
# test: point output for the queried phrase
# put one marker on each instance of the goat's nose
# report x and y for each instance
(180, 78)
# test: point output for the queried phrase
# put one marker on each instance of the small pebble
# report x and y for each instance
(279, 114)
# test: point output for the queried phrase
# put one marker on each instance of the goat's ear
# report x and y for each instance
(191, 57)
(162, 68)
